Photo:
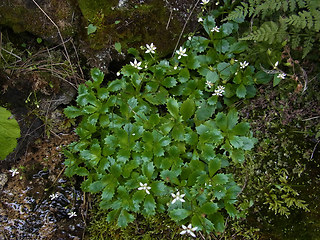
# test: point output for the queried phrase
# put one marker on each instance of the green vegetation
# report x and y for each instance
(9, 132)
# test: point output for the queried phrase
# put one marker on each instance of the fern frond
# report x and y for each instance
(307, 45)
(239, 12)
(269, 32)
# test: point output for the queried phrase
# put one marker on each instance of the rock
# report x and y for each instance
(24, 15)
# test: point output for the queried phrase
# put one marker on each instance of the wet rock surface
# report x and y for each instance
(38, 201)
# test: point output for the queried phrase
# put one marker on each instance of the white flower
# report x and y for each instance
(200, 19)
(14, 171)
(144, 187)
(118, 74)
(54, 196)
(282, 75)
(243, 64)
(204, 2)
(190, 230)
(72, 214)
(177, 197)
(215, 29)
(276, 65)
(219, 91)
(181, 52)
(209, 84)
(136, 64)
(151, 48)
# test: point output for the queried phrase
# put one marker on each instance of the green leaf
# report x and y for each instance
(220, 179)
(241, 91)
(117, 46)
(221, 121)
(178, 132)
(231, 210)
(103, 93)
(159, 188)
(97, 77)
(112, 216)
(218, 221)
(276, 80)
(179, 214)
(125, 218)
(241, 128)
(214, 165)
(205, 111)
(81, 171)
(209, 208)
(148, 169)
(169, 82)
(96, 186)
(173, 107)
(91, 29)
(238, 47)
(232, 118)
(237, 156)
(116, 85)
(9, 132)
(72, 112)
(212, 77)
(149, 205)
(184, 75)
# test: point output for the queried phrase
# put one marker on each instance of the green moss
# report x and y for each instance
(157, 227)
(133, 26)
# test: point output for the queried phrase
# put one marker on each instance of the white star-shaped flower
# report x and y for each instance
(151, 48)
(282, 75)
(72, 214)
(219, 91)
(215, 29)
(144, 187)
(177, 197)
(136, 64)
(243, 64)
(54, 196)
(181, 52)
(204, 2)
(209, 84)
(190, 230)
(14, 172)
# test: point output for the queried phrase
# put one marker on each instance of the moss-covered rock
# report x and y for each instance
(26, 16)
(134, 23)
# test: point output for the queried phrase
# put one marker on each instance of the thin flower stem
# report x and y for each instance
(184, 26)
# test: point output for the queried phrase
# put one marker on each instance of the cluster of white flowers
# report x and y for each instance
(14, 171)
(177, 197)
(244, 64)
(181, 52)
(219, 91)
(136, 64)
(215, 29)
(189, 229)
(151, 48)
(144, 186)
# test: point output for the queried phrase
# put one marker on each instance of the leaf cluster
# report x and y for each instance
(161, 128)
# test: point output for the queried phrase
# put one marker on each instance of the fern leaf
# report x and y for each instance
(268, 32)
(239, 12)
(307, 45)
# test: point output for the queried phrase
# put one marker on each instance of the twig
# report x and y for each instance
(311, 118)
(56, 26)
(314, 149)
(184, 26)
